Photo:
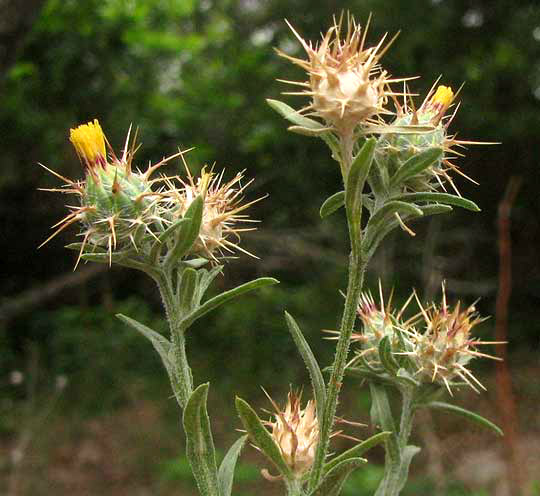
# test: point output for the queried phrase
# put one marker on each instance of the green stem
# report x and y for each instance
(357, 267)
(183, 380)
(184, 386)
(294, 487)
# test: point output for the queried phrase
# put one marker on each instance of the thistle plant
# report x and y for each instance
(396, 161)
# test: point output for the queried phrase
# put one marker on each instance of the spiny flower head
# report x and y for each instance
(222, 210)
(296, 432)
(118, 207)
(442, 352)
(346, 84)
(394, 149)
(378, 322)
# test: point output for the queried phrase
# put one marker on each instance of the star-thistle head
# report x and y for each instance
(443, 350)
(346, 83)
(123, 210)
(379, 320)
(118, 208)
(223, 210)
(394, 149)
(296, 433)
(89, 142)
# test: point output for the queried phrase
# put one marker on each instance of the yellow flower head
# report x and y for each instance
(443, 96)
(89, 142)
(435, 108)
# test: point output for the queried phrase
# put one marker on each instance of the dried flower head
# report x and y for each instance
(118, 208)
(442, 352)
(346, 84)
(222, 211)
(296, 432)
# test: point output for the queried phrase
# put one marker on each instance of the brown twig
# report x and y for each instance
(505, 397)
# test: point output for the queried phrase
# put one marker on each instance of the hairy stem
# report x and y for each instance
(294, 488)
(183, 381)
(357, 267)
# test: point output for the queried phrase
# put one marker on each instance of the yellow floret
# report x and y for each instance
(443, 96)
(89, 141)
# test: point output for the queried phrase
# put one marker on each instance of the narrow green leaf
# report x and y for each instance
(306, 131)
(333, 143)
(199, 443)
(358, 173)
(357, 450)
(294, 116)
(407, 379)
(188, 232)
(228, 465)
(196, 263)
(474, 417)
(375, 236)
(385, 354)
(160, 343)
(406, 457)
(222, 298)
(354, 186)
(443, 198)
(187, 289)
(105, 257)
(164, 236)
(388, 210)
(332, 203)
(119, 258)
(381, 414)
(434, 209)
(415, 165)
(334, 480)
(206, 278)
(407, 129)
(364, 373)
(261, 437)
(317, 381)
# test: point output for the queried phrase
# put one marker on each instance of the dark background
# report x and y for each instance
(192, 73)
